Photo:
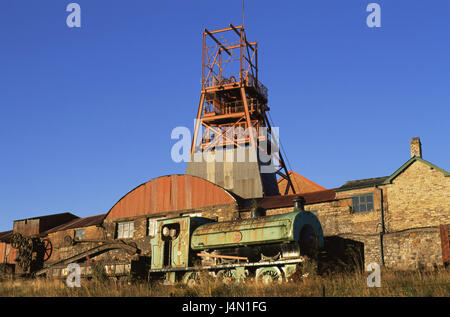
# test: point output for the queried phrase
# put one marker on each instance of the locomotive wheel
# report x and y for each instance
(269, 275)
(48, 249)
(191, 279)
(225, 276)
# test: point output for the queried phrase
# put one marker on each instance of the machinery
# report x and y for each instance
(32, 251)
(268, 248)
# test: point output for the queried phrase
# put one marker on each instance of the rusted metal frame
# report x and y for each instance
(210, 144)
(203, 62)
(216, 140)
(226, 116)
(242, 56)
(236, 141)
(217, 41)
(220, 66)
(245, 38)
(228, 60)
(211, 67)
(288, 178)
(256, 61)
(222, 132)
(231, 257)
(247, 115)
(238, 45)
(197, 122)
(97, 249)
(226, 29)
(251, 66)
(231, 265)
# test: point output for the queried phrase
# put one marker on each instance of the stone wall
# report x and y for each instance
(418, 197)
(413, 249)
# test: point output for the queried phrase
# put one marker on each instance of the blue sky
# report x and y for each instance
(86, 114)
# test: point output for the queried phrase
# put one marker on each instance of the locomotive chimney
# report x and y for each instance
(416, 147)
(256, 210)
(299, 203)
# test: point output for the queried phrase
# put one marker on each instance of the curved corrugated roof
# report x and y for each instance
(168, 193)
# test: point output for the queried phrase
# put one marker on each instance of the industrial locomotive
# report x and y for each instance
(268, 248)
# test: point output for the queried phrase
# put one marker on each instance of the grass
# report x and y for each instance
(393, 284)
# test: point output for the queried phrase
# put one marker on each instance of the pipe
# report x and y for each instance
(299, 203)
(383, 228)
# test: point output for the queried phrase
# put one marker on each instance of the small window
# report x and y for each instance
(152, 226)
(363, 203)
(125, 230)
(79, 234)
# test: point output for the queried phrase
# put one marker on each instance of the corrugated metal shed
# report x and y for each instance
(170, 193)
(78, 223)
(36, 225)
(7, 253)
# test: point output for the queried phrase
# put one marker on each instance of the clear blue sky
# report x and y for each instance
(86, 114)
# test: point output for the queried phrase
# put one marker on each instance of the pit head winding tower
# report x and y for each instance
(234, 145)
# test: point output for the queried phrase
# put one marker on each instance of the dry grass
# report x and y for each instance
(393, 284)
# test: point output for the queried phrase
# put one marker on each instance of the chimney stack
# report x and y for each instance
(299, 203)
(416, 147)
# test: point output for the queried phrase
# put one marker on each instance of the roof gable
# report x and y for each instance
(409, 163)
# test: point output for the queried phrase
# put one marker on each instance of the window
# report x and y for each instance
(363, 203)
(152, 226)
(79, 234)
(125, 230)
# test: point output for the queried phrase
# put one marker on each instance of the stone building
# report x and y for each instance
(395, 220)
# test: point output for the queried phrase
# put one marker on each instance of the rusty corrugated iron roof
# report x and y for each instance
(6, 236)
(51, 216)
(78, 223)
(37, 225)
(282, 201)
(177, 192)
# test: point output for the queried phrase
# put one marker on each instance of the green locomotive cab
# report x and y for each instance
(170, 246)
